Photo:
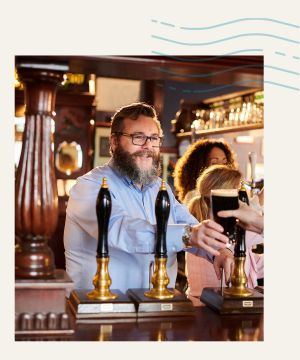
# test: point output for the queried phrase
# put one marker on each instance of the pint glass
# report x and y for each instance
(225, 199)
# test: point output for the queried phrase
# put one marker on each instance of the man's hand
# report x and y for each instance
(226, 261)
(208, 236)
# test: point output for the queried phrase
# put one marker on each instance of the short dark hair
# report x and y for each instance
(133, 111)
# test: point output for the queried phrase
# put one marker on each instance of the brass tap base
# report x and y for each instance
(238, 280)
(92, 308)
(102, 282)
(99, 295)
(240, 292)
(159, 294)
(178, 305)
(223, 303)
(160, 280)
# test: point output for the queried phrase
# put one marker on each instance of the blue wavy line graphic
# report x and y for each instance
(205, 59)
(175, 73)
(226, 39)
(282, 85)
(281, 69)
(200, 59)
(241, 83)
(167, 24)
(230, 22)
(280, 53)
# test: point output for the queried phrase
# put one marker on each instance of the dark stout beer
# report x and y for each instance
(225, 199)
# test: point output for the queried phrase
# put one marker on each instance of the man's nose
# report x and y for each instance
(148, 143)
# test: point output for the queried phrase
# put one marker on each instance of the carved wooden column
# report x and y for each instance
(36, 201)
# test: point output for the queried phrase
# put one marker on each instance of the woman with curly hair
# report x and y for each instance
(201, 273)
(198, 157)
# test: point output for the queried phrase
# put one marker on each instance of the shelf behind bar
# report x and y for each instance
(231, 95)
(221, 130)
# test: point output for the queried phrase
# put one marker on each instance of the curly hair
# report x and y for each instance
(190, 166)
(214, 177)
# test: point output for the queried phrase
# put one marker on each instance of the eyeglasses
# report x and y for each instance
(140, 139)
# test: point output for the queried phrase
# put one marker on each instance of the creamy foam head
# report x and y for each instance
(224, 192)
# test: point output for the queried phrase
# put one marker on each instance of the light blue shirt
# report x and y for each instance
(131, 234)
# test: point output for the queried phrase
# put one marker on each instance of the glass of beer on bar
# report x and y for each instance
(225, 199)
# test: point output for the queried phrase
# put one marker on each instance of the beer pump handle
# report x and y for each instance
(252, 159)
(103, 210)
(243, 196)
(162, 212)
(240, 246)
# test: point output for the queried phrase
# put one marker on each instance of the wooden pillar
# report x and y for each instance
(36, 200)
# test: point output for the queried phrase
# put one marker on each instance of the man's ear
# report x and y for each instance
(113, 142)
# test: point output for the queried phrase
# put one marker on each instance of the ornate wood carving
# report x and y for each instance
(36, 201)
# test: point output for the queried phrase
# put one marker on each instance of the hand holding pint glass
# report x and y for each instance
(225, 199)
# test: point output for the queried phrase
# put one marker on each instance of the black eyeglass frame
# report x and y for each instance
(141, 135)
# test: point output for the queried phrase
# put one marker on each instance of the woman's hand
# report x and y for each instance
(224, 261)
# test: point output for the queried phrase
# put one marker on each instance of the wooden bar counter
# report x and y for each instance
(206, 325)
(203, 325)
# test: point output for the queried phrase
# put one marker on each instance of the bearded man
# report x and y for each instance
(133, 180)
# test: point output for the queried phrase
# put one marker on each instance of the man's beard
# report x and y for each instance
(125, 163)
